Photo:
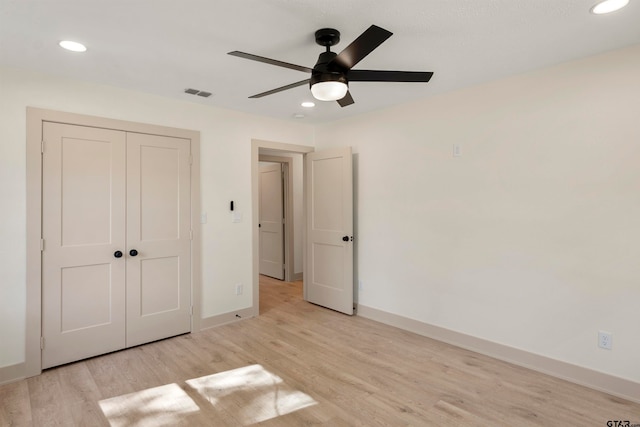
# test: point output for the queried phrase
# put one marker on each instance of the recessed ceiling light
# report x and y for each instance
(298, 116)
(72, 46)
(608, 6)
(308, 104)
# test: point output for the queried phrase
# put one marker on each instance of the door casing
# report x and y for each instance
(35, 119)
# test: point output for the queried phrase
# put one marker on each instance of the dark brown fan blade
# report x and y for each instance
(270, 61)
(362, 46)
(347, 100)
(280, 89)
(388, 76)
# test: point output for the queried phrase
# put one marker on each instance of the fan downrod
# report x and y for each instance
(327, 37)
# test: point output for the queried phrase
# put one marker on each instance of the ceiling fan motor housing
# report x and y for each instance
(327, 71)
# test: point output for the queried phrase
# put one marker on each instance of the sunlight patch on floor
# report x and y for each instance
(251, 393)
(158, 406)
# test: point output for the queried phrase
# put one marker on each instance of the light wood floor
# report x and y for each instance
(298, 364)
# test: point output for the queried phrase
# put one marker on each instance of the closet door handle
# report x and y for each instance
(117, 254)
(133, 252)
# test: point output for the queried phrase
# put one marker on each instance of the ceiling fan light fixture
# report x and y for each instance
(608, 6)
(329, 90)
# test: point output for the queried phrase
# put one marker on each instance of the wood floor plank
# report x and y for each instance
(15, 406)
(80, 395)
(44, 394)
(298, 364)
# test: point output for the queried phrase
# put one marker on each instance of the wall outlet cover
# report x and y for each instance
(605, 340)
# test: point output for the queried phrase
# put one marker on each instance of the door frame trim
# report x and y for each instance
(256, 145)
(35, 119)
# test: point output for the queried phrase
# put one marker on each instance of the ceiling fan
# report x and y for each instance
(332, 73)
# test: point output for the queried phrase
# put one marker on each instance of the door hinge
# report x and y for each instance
(41, 343)
(192, 310)
(190, 159)
(190, 234)
(41, 245)
(42, 146)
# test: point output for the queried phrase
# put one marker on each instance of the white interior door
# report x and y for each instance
(116, 264)
(271, 221)
(83, 283)
(159, 231)
(329, 197)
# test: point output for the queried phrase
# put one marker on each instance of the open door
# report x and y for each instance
(271, 221)
(329, 255)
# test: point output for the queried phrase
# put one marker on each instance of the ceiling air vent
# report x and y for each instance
(201, 93)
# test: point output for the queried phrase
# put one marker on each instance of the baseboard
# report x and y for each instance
(224, 318)
(11, 373)
(297, 276)
(607, 383)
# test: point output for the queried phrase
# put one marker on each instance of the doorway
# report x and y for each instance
(292, 159)
(327, 252)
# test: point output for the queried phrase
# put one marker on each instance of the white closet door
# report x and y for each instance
(83, 283)
(117, 240)
(158, 228)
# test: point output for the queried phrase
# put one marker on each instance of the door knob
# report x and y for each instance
(345, 238)
(117, 254)
(133, 252)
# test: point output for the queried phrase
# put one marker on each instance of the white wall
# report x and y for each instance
(531, 239)
(225, 175)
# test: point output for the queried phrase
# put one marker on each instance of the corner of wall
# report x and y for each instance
(226, 318)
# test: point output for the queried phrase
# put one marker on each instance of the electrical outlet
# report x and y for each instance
(457, 150)
(239, 289)
(605, 340)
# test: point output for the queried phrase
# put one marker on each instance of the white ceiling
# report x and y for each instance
(165, 46)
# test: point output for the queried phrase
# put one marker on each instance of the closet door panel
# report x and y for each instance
(83, 225)
(158, 230)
